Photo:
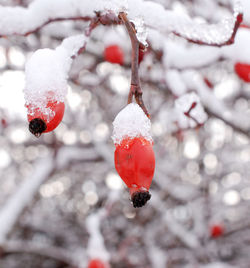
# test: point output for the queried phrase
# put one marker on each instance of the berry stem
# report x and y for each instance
(135, 88)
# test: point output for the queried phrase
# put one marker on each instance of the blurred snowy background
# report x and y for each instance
(62, 201)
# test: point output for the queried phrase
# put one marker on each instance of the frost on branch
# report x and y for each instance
(190, 112)
(131, 122)
(47, 73)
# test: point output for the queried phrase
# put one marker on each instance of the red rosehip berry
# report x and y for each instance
(243, 71)
(135, 163)
(141, 56)
(96, 263)
(4, 123)
(114, 54)
(216, 230)
(41, 123)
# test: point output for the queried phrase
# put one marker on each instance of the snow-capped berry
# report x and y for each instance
(40, 122)
(243, 71)
(134, 155)
(114, 54)
(135, 163)
(96, 263)
(216, 230)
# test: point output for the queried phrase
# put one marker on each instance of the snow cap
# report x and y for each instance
(47, 73)
(131, 122)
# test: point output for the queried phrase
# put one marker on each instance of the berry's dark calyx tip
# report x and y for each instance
(37, 126)
(139, 199)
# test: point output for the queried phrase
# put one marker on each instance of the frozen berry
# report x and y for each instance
(40, 122)
(243, 71)
(97, 263)
(135, 163)
(114, 54)
(216, 230)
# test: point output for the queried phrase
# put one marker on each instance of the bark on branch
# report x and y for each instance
(135, 88)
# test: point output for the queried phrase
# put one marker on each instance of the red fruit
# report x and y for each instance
(4, 123)
(96, 263)
(243, 71)
(141, 56)
(216, 230)
(114, 54)
(135, 163)
(40, 123)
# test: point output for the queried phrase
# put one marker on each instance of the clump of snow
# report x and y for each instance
(181, 55)
(115, 6)
(113, 36)
(183, 105)
(246, 8)
(239, 51)
(47, 73)
(131, 122)
(96, 247)
(175, 82)
(141, 31)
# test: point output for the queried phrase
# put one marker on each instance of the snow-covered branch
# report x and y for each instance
(59, 254)
(24, 195)
(40, 13)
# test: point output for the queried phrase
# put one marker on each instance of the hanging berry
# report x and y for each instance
(243, 71)
(141, 56)
(97, 263)
(114, 54)
(46, 87)
(134, 155)
(216, 230)
(42, 122)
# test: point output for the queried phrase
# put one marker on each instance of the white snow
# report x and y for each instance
(156, 17)
(239, 51)
(141, 31)
(47, 72)
(131, 122)
(96, 247)
(182, 55)
(183, 104)
(23, 196)
(17, 20)
(217, 265)
(246, 8)
(175, 83)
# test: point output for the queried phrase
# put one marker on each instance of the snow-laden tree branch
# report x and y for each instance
(61, 255)
(154, 16)
(24, 195)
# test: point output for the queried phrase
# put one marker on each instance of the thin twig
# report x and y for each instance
(104, 19)
(135, 88)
